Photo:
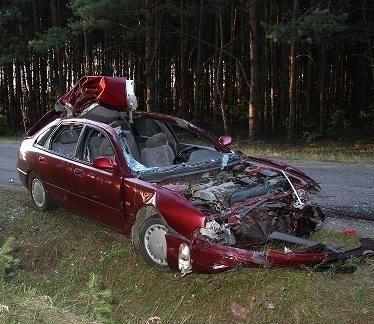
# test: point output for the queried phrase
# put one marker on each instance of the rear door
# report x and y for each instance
(54, 160)
(96, 193)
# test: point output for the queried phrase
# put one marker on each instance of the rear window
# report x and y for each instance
(43, 137)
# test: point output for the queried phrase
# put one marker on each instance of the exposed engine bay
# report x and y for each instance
(246, 203)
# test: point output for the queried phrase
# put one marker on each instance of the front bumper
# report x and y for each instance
(208, 257)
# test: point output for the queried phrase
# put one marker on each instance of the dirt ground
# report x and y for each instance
(347, 194)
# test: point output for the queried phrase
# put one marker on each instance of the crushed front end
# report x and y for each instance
(256, 216)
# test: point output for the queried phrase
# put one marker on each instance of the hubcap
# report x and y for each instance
(38, 193)
(155, 243)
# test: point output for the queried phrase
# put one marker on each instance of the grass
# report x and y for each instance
(335, 151)
(72, 270)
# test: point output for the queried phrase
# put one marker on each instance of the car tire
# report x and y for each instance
(39, 194)
(153, 242)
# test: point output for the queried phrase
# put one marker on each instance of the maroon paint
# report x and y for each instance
(225, 140)
(208, 257)
(101, 89)
(105, 163)
(114, 198)
(103, 200)
(179, 213)
(136, 194)
(277, 258)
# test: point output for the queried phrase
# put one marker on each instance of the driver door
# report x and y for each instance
(97, 193)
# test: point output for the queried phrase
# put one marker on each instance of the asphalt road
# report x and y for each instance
(347, 189)
(347, 194)
(8, 158)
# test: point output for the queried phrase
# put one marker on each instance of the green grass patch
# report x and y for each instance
(320, 151)
(70, 269)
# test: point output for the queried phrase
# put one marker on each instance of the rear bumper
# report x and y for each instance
(208, 257)
(22, 175)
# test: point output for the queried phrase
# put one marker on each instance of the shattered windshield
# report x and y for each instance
(152, 147)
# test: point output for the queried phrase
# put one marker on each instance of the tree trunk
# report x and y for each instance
(215, 69)
(253, 99)
(266, 76)
(199, 64)
(182, 62)
(219, 84)
(322, 81)
(308, 90)
(292, 85)
(149, 47)
(274, 85)
(19, 96)
(87, 54)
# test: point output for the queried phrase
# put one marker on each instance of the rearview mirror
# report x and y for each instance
(225, 140)
(105, 163)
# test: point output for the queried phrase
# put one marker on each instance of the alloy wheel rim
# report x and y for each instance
(155, 243)
(38, 193)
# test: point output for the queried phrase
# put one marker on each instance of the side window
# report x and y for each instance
(66, 139)
(43, 137)
(96, 144)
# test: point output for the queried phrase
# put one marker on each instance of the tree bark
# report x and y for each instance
(266, 76)
(149, 47)
(253, 59)
(308, 90)
(182, 71)
(87, 54)
(219, 84)
(292, 86)
(322, 81)
(199, 64)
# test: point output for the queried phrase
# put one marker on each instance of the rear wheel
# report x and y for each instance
(153, 242)
(39, 194)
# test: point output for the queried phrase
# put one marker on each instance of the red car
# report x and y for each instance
(186, 199)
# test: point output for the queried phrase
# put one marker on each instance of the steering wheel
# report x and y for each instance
(184, 154)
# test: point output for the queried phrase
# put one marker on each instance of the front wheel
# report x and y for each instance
(39, 194)
(153, 242)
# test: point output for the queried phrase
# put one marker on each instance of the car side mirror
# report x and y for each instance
(105, 163)
(225, 140)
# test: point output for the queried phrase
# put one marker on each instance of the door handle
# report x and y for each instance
(78, 172)
(42, 159)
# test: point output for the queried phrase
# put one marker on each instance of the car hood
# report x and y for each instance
(252, 197)
(200, 169)
(289, 169)
(244, 181)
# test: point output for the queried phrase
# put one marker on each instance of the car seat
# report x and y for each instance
(157, 152)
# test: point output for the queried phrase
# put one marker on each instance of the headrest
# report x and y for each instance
(156, 140)
(121, 123)
(68, 137)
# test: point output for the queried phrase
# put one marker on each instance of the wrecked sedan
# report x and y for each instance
(186, 199)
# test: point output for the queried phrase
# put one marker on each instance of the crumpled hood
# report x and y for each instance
(290, 170)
